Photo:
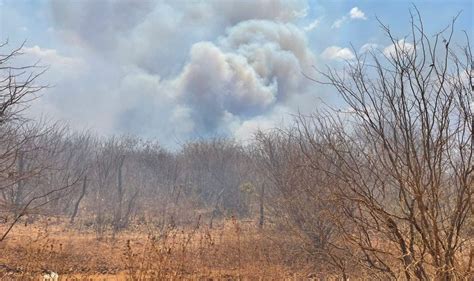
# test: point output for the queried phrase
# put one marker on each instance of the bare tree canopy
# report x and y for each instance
(400, 158)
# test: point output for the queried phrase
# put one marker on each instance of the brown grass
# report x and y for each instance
(231, 250)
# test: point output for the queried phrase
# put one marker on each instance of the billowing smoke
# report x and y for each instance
(255, 66)
(180, 69)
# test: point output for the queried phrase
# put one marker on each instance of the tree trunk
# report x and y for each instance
(20, 185)
(262, 215)
(216, 207)
(118, 213)
(76, 206)
(129, 210)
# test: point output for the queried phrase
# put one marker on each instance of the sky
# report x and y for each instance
(183, 69)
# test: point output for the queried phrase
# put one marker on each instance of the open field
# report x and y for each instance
(232, 250)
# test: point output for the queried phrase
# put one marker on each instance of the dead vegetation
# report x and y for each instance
(381, 189)
(232, 249)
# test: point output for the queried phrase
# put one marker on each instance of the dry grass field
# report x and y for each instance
(232, 250)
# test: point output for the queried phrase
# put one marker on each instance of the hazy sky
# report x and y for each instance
(175, 70)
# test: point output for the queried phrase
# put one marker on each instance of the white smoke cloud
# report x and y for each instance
(51, 57)
(277, 118)
(175, 70)
(255, 66)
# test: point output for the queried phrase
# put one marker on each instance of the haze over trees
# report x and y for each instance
(381, 187)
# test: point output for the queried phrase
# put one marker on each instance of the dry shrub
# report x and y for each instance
(232, 249)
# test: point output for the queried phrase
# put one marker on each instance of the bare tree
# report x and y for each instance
(18, 85)
(41, 176)
(400, 159)
(217, 168)
(17, 88)
(20, 139)
(298, 199)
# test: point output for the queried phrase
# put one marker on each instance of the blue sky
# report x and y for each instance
(175, 70)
